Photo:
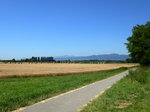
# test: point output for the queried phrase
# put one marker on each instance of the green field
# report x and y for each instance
(131, 94)
(18, 92)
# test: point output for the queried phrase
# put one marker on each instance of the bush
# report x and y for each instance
(139, 75)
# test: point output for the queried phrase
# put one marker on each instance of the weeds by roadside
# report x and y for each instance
(140, 75)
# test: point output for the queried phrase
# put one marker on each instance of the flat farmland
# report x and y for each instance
(41, 69)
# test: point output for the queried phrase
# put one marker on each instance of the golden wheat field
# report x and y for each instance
(26, 69)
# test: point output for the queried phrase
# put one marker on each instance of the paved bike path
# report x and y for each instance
(74, 100)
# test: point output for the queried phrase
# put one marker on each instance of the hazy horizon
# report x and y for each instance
(69, 27)
(18, 58)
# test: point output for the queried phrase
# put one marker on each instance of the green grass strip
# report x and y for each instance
(130, 94)
(19, 92)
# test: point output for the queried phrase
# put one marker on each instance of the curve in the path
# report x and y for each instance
(74, 100)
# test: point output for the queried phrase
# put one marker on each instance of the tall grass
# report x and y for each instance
(140, 75)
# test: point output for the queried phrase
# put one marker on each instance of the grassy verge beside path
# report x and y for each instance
(130, 94)
(18, 92)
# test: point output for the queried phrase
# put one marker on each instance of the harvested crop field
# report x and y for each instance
(39, 69)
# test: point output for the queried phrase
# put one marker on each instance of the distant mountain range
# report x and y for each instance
(94, 57)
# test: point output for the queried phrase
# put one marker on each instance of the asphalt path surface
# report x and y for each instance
(74, 100)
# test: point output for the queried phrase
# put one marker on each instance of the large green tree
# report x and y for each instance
(139, 44)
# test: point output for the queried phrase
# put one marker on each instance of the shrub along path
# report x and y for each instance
(73, 101)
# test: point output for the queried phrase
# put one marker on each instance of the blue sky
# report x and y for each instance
(68, 27)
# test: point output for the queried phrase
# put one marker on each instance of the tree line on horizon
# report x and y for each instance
(32, 59)
(52, 60)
